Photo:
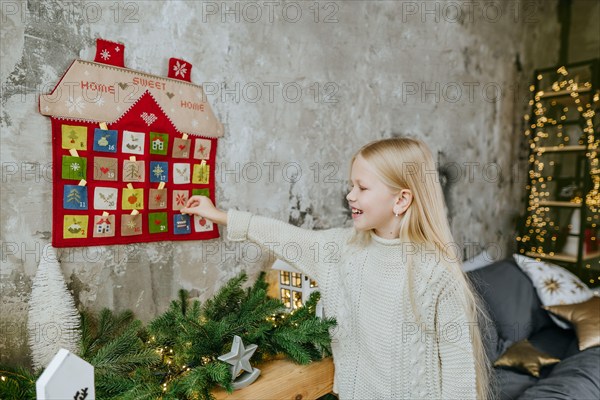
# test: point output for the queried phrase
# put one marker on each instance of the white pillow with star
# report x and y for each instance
(554, 284)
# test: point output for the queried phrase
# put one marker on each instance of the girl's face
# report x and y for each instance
(372, 202)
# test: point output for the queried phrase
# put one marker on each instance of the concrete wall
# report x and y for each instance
(584, 36)
(454, 74)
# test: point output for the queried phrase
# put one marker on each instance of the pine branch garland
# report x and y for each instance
(175, 357)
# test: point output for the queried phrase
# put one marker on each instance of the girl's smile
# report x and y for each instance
(372, 202)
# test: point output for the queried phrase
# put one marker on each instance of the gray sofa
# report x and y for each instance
(516, 310)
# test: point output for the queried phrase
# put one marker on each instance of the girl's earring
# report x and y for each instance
(396, 214)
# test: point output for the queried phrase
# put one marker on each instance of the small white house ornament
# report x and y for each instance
(66, 377)
(294, 287)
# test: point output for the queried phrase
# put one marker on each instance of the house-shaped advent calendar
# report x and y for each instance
(128, 150)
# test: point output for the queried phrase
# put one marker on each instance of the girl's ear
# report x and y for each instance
(403, 201)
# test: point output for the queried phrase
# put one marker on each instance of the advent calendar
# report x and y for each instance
(128, 150)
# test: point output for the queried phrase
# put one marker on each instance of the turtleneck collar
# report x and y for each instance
(385, 242)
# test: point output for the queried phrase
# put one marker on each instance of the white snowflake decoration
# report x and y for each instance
(180, 69)
(194, 123)
(105, 54)
(75, 167)
(117, 49)
(75, 104)
(100, 101)
(158, 171)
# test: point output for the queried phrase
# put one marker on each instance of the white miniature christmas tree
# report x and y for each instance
(53, 318)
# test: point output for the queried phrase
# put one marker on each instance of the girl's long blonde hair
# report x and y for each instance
(405, 163)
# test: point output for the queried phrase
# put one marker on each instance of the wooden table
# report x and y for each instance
(284, 380)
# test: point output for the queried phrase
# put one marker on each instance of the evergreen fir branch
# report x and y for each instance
(142, 391)
(226, 300)
(128, 365)
(98, 331)
(18, 383)
(124, 353)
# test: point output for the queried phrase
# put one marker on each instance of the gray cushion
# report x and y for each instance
(511, 384)
(554, 340)
(511, 299)
(576, 377)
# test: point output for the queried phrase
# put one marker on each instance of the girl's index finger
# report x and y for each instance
(191, 202)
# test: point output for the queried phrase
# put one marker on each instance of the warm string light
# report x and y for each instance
(549, 123)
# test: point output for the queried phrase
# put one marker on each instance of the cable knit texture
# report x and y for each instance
(381, 350)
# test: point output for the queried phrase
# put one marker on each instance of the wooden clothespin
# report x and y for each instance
(129, 186)
(135, 212)
(74, 153)
(185, 136)
(132, 158)
(104, 214)
(82, 182)
(161, 186)
(103, 126)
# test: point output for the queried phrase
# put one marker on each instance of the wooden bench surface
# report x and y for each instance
(284, 380)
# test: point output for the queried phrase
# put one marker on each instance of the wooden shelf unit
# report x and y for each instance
(563, 257)
(540, 225)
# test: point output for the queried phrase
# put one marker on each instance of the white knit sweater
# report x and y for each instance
(379, 349)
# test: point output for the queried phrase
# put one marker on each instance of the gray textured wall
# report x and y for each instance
(584, 36)
(455, 77)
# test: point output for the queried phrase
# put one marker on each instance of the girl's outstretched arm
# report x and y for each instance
(311, 252)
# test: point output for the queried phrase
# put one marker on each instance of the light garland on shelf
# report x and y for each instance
(549, 122)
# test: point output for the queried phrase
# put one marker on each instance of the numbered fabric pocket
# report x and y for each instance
(75, 226)
(201, 224)
(74, 168)
(104, 226)
(181, 148)
(158, 199)
(105, 198)
(105, 140)
(133, 142)
(157, 222)
(181, 173)
(134, 171)
(159, 171)
(202, 149)
(131, 224)
(74, 137)
(159, 143)
(180, 198)
(75, 197)
(181, 224)
(201, 173)
(105, 169)
(132, 199)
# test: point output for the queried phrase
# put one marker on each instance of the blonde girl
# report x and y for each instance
(407, 317)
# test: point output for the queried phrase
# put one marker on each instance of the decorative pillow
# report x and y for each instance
(523, 357)
(586, 319)
(554, 285)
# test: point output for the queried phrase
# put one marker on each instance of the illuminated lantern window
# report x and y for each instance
(294, 287)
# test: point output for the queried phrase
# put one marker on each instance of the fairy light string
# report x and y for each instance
(548, 124)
